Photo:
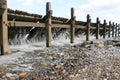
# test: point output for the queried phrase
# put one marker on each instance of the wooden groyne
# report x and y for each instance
(15, 19)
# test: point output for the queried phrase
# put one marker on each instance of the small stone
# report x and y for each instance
(71, 76)
(77, 77)
(71, 58)
(57, 66)
(87, 46)
(23, 75)
(86, 53)
(76, 49)
(44, 64)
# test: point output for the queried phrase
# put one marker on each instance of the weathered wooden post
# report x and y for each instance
(104, 29)
(72, 28)
(116, 30)
(109, 29)
(3, 27)
(97, 27)
(88, 28)
(113, 29)
(48, 24)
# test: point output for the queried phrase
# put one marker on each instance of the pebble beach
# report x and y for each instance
(92, 60)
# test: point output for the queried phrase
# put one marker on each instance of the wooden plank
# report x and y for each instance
(4, 30)
(25, 24)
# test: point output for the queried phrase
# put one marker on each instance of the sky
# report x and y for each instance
(104, 9)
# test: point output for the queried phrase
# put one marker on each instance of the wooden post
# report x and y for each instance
(97, 28)
(3, 28)
(48, 24)
(88, 28)
(113, 29)
(72, 29)
(109, 29)
(116, 30)
(104, 29)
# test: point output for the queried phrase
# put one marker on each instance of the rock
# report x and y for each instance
(108, 42)
(23, 75)
(117, 44)
(57, 66)
(71, 76)
(86, 53)
(99, 44)
(72, 58)
(76, 49)
(116, 41)
(110, 46)
(44, 64)
(87, 44)
(1, 74)
(77, 77)
(10, 76)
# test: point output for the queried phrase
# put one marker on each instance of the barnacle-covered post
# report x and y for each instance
(88, 28)
(3, 27)
(72, 28)
(48, 24)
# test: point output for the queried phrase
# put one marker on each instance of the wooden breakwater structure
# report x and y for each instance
(15, 18)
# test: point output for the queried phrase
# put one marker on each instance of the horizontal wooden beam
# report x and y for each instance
(33, 24)
(80, 26)
(61, 25)
(18, 17)
(25, 24)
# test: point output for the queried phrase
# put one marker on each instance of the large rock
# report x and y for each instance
(1, 74)
(99, 44)
(87, 44)
(23, 75)
(10, 76)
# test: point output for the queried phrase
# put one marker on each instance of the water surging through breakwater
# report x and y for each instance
(19, 36)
